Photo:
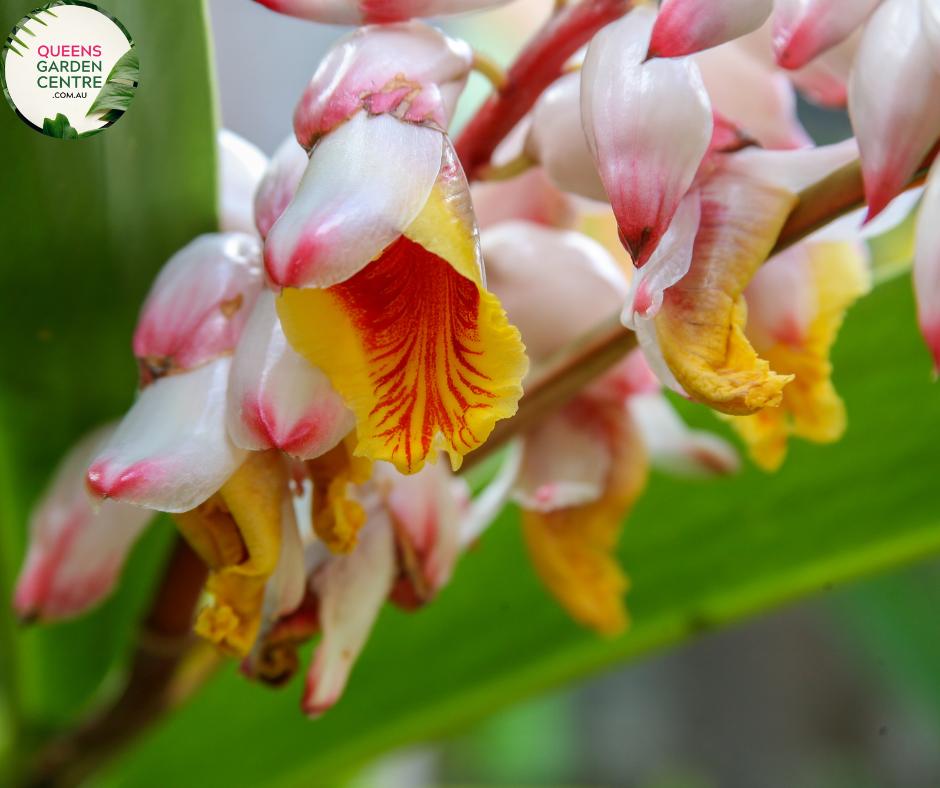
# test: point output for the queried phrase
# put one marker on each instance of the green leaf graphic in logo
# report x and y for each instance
(119, 88)
(60, 127)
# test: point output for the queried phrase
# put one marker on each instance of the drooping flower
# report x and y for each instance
(796, 304)
(648, 126)
(359, 12)
(684, 27)
(699, 329)
(892, 100)
(379, 258)
(75, 553)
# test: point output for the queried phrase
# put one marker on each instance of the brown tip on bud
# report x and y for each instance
(636, 247)
(27, 618)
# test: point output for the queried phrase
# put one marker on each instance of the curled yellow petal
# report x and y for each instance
(810, 408)
(336, 518)
(419, 350)
(237, 532)
(573, 548)
(700, 326)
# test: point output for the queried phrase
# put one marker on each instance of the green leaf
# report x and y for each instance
(60, 127)
(700, 555)
(83, 233)
(116, 94)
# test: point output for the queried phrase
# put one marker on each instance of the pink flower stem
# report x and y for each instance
(540, 64)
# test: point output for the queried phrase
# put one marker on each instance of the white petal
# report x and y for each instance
(554, 284)
(199, 303)
(279, 184)
(351, 589)
(409, 70)
(365, 183)
(687, 26)
(556, 140)
(648, 126)
(673, 447)
(893, 102)
(668, 265)
(930, 26)
(276, 398)
(531, 196)
(927, 264)
(744, 90)
(566, 460)
(241, 167)
(804, 29)
(172, 450)
(75, 554)
(649, 344)
(793, 170)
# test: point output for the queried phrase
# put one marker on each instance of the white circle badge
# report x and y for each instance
(69, 69)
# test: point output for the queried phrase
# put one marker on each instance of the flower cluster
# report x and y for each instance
(302, 369)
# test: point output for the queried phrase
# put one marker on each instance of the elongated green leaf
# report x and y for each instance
(60, 128)
(700, 556)
(127, 67)
(84, 226)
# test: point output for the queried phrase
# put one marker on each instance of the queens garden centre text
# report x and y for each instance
(57, 72)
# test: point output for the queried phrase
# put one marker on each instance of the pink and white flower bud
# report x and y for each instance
(75, 554)
(172, 449)
(531, 197)
(358, 12)
(554, 284)
(556, 140)
(676, 449)
(893, 102)
(199, 304)
(411, 71)
(276, 399)
(241, 167)
(927, 264)
(351, 589)
(352, 202)
(804, 29)
(279, 184)
(746, 91)
(684, 27)
(648, 126)
(825, 79)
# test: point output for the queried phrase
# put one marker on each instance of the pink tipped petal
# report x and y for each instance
(199, 303)
(556, 140)
(544, 278)
(531, 196)
(75, 554)
(804, 29)
(279, 184)
(676, 449)
(825, 80)
(893, 101)
(747, 92)
(927, 264)
(350, 12)
(684, 27)
(172, 450)
(648, 125)
(793, 170)
(411, 71)
(241, 167)
(425, 514)
(351, 589)
(276, 399)
(365, 183)
(668, 265)
(782, 300)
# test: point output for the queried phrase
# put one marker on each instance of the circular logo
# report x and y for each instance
(69, 69)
